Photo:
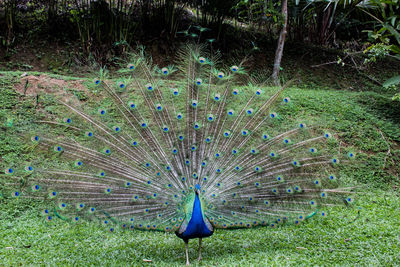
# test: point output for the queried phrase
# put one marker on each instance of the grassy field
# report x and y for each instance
(369, 234)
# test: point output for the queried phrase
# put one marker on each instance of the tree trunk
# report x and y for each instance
(281, 43)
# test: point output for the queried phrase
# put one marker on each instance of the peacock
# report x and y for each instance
(187, 149)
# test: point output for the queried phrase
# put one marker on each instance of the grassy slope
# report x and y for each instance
(367, 122)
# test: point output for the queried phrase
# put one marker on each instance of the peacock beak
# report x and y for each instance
(197, 189)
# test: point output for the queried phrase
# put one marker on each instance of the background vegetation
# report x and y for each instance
(359, 32)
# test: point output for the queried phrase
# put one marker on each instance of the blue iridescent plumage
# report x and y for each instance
(196, 227)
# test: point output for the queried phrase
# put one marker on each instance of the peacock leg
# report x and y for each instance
(199, 258)
(187, 252)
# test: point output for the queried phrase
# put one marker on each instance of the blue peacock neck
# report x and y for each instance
(195, 224)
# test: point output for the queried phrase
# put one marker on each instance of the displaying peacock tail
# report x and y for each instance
(161, 147)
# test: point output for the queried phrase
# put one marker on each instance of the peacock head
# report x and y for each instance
(197, 188)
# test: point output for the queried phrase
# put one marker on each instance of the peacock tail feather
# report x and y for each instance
(134, 159)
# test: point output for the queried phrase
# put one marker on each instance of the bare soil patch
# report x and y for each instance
(34, 85)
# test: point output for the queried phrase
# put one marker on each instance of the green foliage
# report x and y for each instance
(393, 83)
(107, 28)
(389, 19)
(385, 38)
(376, 51)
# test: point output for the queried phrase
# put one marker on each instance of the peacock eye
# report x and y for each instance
(121, 85)
(165, 71)
(149, 87)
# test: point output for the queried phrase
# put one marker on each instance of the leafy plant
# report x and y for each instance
(385, 37)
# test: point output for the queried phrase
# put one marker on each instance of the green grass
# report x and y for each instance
(342, 238)
(365, 122)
